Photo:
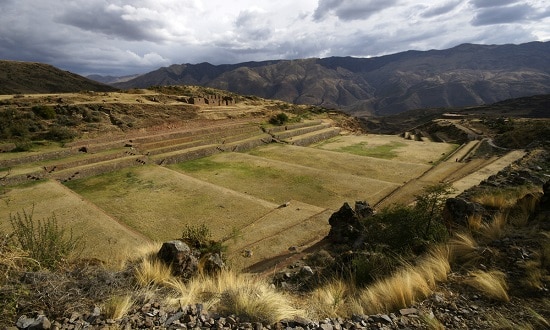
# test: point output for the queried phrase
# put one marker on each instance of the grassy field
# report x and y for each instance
(230, 193)
(101, 234)
(394, 171)
(158, 202)
(388, 147)
(278, 181)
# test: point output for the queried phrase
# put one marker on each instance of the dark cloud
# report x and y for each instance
(491, 3)
(440, 10)
(110, 20)
(252, 26)
(350, 10)
(502, 15)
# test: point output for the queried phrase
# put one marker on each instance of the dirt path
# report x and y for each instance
(463, 175)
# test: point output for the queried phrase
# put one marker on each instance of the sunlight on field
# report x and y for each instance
(159, 203)
(340, 162)
(278, 181)
(388, 147)
(102, 235)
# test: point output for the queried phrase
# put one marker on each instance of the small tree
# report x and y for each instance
(430, 203)
(44, 240)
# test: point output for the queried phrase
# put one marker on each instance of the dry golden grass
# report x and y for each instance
(117, 307)
(463, 249)
(475, 221)
(538, 319)
(150, 270)
(411, 283)
(533, 278)
(492, 284)
(332, 299)
(432, 323)
(234, 293)
(496, 229)
(496, 201)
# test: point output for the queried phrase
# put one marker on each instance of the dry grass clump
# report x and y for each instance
(118, 306)
(234, 293)
(333, 298)
(491, 283)
(496, 228)
(464, 249)
(150, 270)
(409, 284)
(475, 221)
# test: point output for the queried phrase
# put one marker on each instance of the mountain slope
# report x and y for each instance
(465, 75)
(28, 77)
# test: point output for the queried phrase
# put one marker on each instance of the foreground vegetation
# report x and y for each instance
(422, 255)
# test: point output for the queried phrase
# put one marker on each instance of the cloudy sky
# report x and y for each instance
(121, 37)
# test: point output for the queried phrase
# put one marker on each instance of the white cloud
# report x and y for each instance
(123, 36)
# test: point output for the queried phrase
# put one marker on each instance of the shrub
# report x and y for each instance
(44, 240)
(200, 237)
(44, 111)
(60, 134)
(279, 119)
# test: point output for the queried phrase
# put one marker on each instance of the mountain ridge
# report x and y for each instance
(17, 77)
(465, 75)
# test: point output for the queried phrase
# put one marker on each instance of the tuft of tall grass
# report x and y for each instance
(117, 307)
(463, 248)
(491, 283)
(244, 295)
(496, 228)
(407, 285)
(150, 270)
(332, 299)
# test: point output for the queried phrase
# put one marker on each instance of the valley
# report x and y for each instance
(261, 188)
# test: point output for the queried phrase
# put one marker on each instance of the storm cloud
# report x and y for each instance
(119, 37)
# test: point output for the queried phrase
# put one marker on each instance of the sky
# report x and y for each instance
(121, 37)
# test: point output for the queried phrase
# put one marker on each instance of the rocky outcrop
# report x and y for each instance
(457, 210)
(179, 256)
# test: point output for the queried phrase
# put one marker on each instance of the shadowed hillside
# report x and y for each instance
(466, 75)
(27, 78)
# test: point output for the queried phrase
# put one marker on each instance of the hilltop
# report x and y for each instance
(28, 77)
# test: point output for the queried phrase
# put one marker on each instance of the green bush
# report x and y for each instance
(44, 111)
(44, 240)
(200, 237)
(279, 119)
(411, 228)
(60, 134)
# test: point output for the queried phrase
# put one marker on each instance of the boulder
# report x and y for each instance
(457, 210)
(363, 210)
(179, 256)
(346, 226)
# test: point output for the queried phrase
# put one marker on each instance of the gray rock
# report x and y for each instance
(178, 255)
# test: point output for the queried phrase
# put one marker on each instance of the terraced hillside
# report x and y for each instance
(268, 191)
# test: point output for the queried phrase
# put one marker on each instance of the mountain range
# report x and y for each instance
(465, 75)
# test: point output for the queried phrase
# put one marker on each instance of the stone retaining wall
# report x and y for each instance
(314, 138)
(277, 129)
(300, 131)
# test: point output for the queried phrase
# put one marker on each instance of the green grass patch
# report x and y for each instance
(386, 151)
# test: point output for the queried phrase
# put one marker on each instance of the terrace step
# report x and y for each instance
(299, 131)
(314, 137)
(97, 168)
(210, 149)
